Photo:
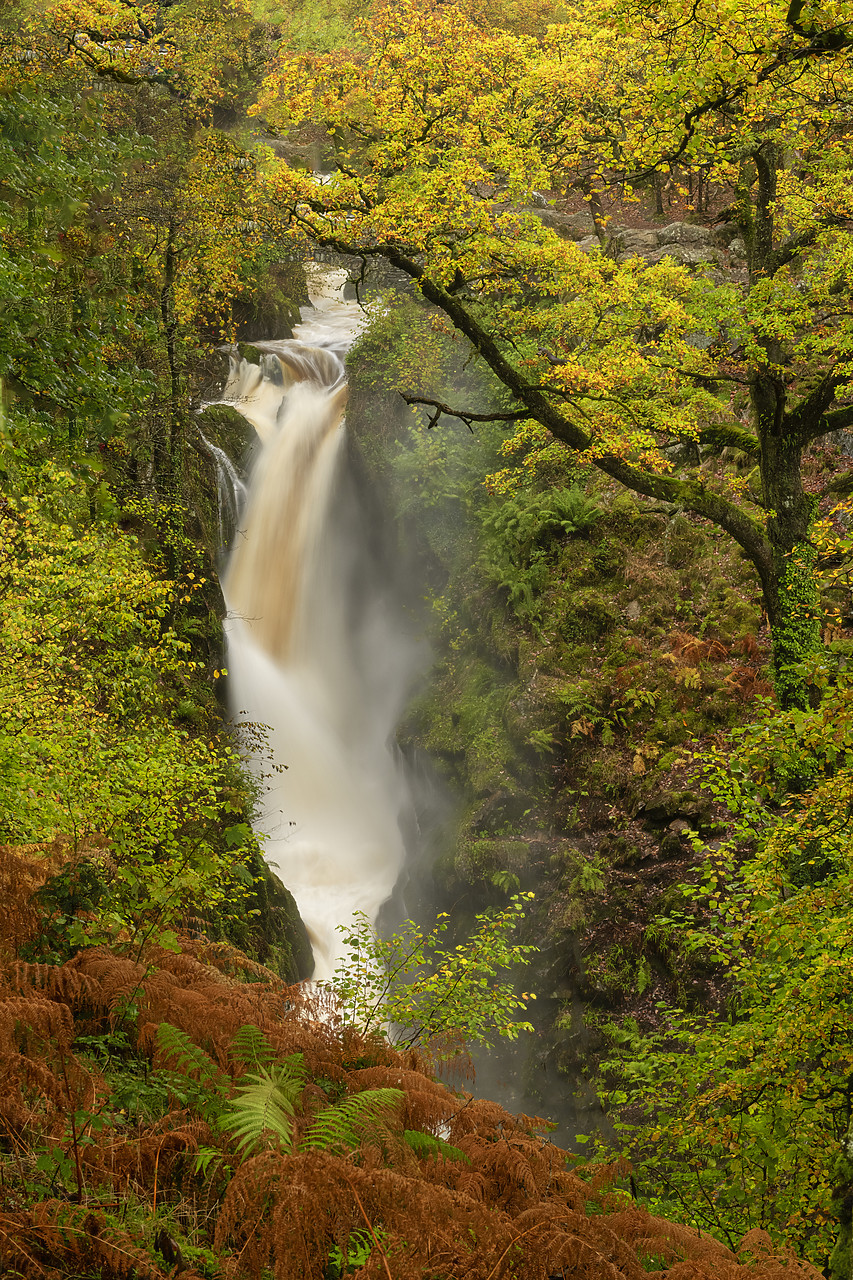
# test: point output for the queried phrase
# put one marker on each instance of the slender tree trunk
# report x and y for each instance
(165, 466)
(596, 211)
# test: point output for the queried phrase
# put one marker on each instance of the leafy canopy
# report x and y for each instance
(444, 128)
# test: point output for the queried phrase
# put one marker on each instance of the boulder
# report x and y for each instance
(268, 315)
(684, 233)
(686, 255)
(663, 808)
(630, 243)
(569, 226)
(725, 232)
(248, 351)
(685, 243)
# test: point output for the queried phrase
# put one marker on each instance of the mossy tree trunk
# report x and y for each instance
(165, 454)
(782, 434)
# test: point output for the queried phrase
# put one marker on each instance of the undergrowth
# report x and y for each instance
(186, 1112)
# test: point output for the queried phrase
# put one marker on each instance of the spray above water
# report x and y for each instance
(317, 651)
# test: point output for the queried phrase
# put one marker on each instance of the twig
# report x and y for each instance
(74, 1143)
(511, 1243)
(373, 1235)
(463, 415)
(156, 1167)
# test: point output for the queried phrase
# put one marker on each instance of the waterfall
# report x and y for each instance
(230, 490)
(317, 651)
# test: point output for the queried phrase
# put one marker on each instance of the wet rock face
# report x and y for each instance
(224, 427)
(270, 929)
(281, 928)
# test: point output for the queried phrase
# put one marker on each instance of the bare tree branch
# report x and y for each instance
(464, 415)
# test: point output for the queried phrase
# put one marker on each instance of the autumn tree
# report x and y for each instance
(130, 214)
(61, 327)
(444, 126)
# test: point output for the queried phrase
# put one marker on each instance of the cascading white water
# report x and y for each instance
(230, 490)
(316, 651)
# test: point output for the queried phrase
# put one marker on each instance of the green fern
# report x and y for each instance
(186, 1056)
(207, 1160)
(251, 1048)
(343, 1126)
(425, 1145)
(195, 1078)
(264, 1106)
(355, 1252)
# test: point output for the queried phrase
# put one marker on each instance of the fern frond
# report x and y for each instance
(187, 1057)
(207, 1158)
(194, 1078)
(264, 1104)
(251, 1048)
(58, 981)
(344, 1126)
(425, 1145)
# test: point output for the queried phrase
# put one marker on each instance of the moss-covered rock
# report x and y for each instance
(269, 308)
(248, 351)
(491, 860)
(226, 428)
(589, 615)
(268, 927)
(663, 807)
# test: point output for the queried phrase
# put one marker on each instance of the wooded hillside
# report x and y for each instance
(607, 395)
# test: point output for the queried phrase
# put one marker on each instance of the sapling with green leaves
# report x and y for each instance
(424, 991)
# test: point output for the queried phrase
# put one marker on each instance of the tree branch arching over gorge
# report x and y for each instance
(443, 126)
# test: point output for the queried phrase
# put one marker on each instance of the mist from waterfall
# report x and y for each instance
(317, 650)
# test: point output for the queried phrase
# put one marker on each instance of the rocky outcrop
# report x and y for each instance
(687, 243)
(570, 226)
